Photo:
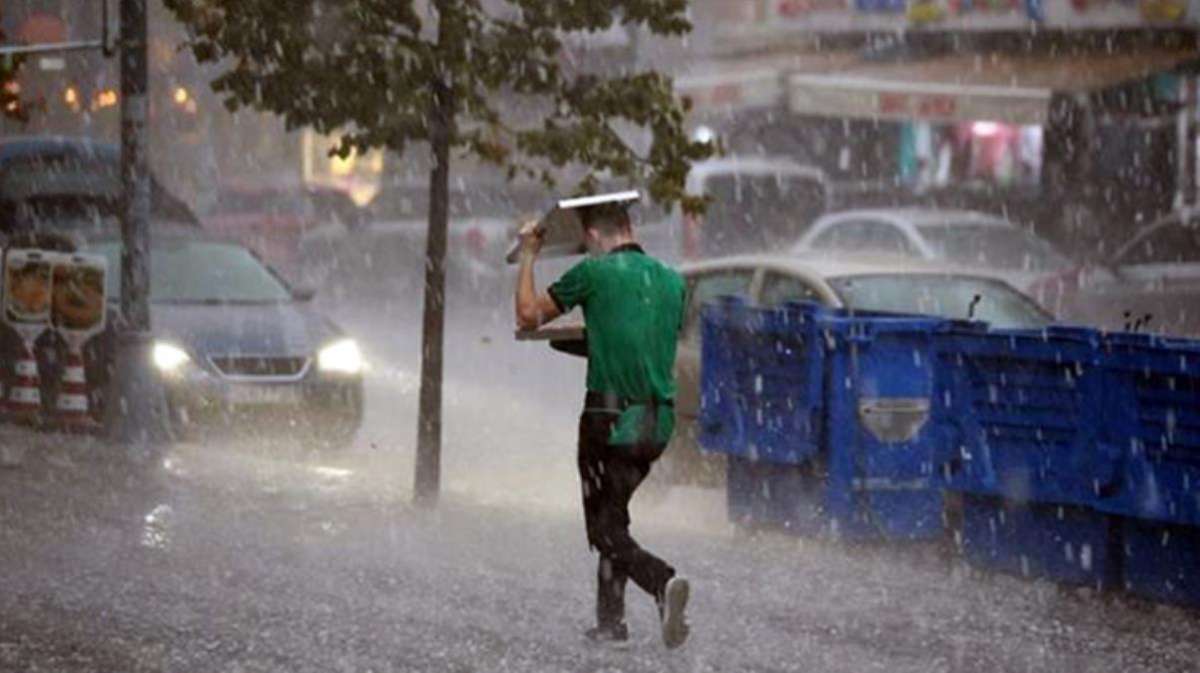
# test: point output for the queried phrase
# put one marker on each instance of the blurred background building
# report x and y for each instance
(1051, 110)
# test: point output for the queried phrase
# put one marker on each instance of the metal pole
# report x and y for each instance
(135, 409)
(134, 165)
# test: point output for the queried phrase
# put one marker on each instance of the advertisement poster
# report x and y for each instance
(27, 283)
(78, 297)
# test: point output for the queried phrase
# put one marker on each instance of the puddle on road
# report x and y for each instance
(156, 531)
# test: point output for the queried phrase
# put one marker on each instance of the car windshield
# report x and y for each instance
(999, 247)
(201, 272)
(942, 296)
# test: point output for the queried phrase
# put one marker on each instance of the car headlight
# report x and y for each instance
(342, 357)
(168, 358)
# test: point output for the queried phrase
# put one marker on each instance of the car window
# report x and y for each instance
(705, 288)
(780, 288)
(201, 272)
(1171, 243)
(945, 296)
(998, 247)
(864, 236)
(831, 237)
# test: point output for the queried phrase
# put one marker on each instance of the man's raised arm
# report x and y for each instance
(532, 309)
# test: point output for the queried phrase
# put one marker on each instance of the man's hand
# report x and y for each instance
(531, 239)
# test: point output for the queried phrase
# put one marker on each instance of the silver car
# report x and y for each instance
(959, 237)
(1152, 282)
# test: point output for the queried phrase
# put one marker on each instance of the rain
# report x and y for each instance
(934, 378)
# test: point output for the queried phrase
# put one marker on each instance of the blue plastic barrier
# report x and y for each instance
(761, 381)
(1028, 409)
(1065, 543)
(1161, 561)
(1152, 412)
(823, 412)
(1077, 453)
(885, 439)
(791, 497)
(721, 329)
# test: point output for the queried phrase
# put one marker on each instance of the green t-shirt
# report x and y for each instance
(633, 309)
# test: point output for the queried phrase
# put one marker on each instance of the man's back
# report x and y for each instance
(633, 309)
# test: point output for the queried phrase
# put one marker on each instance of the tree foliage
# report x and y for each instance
(373, 70)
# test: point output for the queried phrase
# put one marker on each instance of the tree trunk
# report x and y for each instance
(429, 421)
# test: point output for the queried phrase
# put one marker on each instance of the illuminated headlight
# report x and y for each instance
(169, 357)
(341, 357)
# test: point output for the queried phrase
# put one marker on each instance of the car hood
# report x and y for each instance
(270, 329)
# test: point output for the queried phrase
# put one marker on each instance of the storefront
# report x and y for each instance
(1104, 121)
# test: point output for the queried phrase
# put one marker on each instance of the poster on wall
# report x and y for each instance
(27, 285)
(79, 300)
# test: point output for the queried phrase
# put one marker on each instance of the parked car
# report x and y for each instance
(1155, 274)
(295, 228)
(73, 183)
(959, 237)
(756, 204)
(880, 283)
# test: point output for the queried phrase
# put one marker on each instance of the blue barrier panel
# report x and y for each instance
(1161, 562)
(761, 382)
(885, 445)
(828, 415)
(1069, 544)
(790, 497)
(721, 330)
(1028, 414)
(782, 377)
(1152, 412)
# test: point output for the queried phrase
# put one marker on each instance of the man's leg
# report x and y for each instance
(619, 478)
(622, 471)
(594, 429)
(610, 595)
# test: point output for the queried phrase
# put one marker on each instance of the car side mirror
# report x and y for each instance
(304, 293)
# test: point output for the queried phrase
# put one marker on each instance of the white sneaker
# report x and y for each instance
(674, 620)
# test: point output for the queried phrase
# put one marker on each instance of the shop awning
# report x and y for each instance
(994, 87)
(760, 82)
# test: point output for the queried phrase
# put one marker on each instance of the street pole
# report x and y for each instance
(135, 409)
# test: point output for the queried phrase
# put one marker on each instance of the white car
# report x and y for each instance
(756, 204)
(962, 238)
(1152, 283)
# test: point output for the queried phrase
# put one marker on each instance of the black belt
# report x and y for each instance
(595, 401)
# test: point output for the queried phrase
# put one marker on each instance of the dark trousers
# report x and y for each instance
(609, 475)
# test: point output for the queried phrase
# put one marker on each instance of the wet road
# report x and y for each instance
(254, 557)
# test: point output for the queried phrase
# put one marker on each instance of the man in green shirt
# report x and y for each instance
(633, 310)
